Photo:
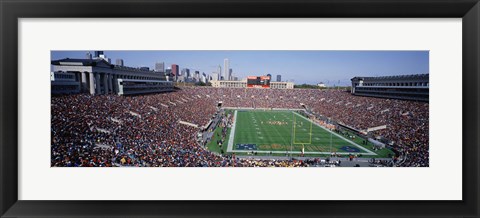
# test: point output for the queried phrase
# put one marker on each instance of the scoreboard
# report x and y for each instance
(258, 82)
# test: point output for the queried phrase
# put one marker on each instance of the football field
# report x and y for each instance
(287, 132)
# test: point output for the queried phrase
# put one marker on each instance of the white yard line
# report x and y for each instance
(232, 133)
(359, 146)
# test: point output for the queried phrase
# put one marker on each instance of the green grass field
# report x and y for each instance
(281, 132)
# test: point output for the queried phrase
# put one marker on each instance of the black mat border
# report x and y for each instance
(11, 11)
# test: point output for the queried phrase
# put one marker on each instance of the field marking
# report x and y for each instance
(294, 124)
(275, 128)
(232, 136)
(232, 133)
(341, 137)
(297, 152)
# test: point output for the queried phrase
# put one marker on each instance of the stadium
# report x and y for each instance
(162, 125)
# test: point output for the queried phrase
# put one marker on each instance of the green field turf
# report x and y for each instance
(286, 131)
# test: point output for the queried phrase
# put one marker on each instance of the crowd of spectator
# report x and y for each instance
(144, 130)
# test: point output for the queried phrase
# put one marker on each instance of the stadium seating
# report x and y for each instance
(110, 130)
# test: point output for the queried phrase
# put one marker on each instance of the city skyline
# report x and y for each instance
(310, 67)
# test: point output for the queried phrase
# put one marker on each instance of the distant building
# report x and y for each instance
(230, 74)
(243, 84)
(98, 53)
(220, 73)
(279, 78)
(144, 68)
(160, 67)
(229, 84)
(196, 75)
(270, 75)
(226, 68)
(185, 72)
(101, 55)
(204, 78)
(281, 85)
(405, 87)
(214, 76)
(175, 71)
(181, 78)
(88, 55)
(119, 62)
(168, 72)
(321, 85)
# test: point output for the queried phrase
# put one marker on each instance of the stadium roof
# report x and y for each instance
(98, 62)
(82, 62)
(412, 76)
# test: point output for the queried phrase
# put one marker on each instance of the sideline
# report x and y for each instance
(232, 133)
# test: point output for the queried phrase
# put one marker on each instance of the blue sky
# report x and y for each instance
(311, 67)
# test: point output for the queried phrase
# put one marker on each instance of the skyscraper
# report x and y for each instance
(226, 68)
(204, 78)
(230, 74)
(219, 71)
(119, 62)
(88, 55)
(175, 71)
(186, 72)
(279, 78)
(270, 75)
(197, 75)
(160, 67)
(214, 76)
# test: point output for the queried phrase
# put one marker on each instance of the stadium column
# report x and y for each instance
(92, 84)
(110, 89)
(115, 89)
(97, 83)
(105, 83)
(84, 81)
